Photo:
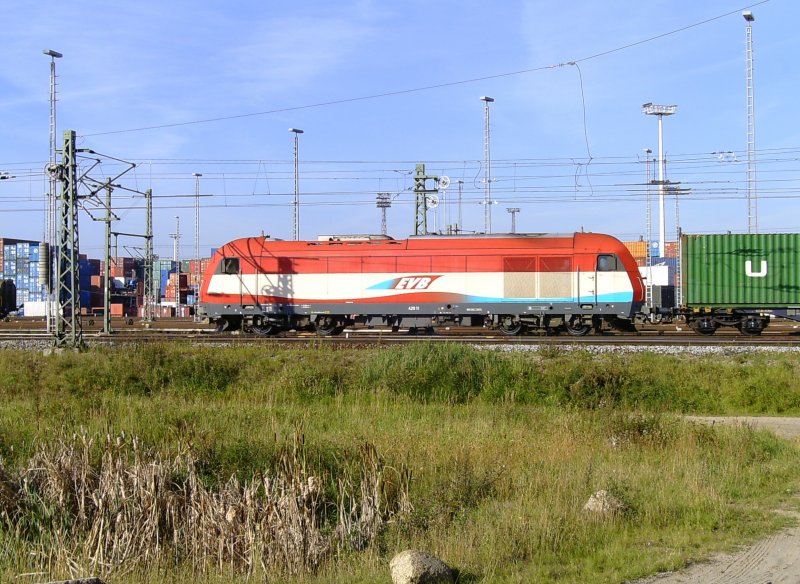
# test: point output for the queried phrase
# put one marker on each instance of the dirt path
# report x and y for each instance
(784, 427)
(773, 560)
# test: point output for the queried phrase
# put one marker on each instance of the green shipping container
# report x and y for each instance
(741, 270)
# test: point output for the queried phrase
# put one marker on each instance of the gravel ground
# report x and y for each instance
(657, 349)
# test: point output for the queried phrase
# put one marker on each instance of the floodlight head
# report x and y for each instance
(296, 130)
(487, 99)
(748, 16)
(198, 174)
(658, 110)
(52, 53)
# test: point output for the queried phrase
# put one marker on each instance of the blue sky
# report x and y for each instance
(567, 141)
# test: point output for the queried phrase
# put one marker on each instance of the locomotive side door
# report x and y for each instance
(231, 267)
(586, 292)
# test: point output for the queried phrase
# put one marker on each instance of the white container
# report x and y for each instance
(35, 308)
(659, 275)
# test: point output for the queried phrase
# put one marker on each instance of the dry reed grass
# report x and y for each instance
(113, 507)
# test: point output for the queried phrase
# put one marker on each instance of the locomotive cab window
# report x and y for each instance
(608, 263)
(230, 265)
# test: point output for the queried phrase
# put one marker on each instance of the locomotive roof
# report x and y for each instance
(423, 242)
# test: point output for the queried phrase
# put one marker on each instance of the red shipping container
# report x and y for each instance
(183, 279)
(116, 309)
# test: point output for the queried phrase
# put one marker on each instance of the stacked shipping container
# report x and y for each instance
(20, 262)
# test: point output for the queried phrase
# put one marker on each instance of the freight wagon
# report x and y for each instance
(739, 280)
(511, 282)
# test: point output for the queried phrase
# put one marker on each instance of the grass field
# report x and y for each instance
(180, 463)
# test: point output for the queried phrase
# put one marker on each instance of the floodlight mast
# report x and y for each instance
(296, 205)
(513, 211)
(383, 202)
(50, 206)
(651, 109)
(752, 195)
(487, 169)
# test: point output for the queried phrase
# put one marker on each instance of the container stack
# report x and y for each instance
(122, 271)
(638, 250)
(670, 249)
(20, 261)
(177, 287)
(197, 271)
(91, 285)
(161, 271)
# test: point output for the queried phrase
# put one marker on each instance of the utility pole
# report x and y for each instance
(107, 276)
(177, 261)
(460, 195)
(196, 275)
(424, 198)
(68, 329)
(648, 295)
(149, 259)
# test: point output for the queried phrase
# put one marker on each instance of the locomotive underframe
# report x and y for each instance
(508, 318)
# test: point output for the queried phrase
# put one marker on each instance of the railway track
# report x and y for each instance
(182, 330)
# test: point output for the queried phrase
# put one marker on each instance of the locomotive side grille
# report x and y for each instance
(556, 285)
(520, 285)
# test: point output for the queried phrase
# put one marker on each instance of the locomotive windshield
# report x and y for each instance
(609, 263)
(230, 265)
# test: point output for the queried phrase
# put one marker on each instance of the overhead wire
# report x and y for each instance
(407, 91)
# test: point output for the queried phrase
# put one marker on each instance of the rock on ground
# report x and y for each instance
(604, 503)
(417, 567)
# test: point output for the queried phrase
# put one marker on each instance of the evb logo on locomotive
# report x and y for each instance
(421, 282)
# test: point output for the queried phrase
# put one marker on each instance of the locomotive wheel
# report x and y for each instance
(509, 325)
(232, 323)
(328, 327)
(265, 330)
(576, 327)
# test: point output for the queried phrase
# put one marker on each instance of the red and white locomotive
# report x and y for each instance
(511, 282)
